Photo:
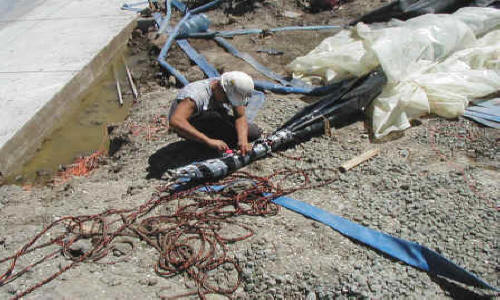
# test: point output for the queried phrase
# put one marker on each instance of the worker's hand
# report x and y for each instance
(244, 148)
(221, 146)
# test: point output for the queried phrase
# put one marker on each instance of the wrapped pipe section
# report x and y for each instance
(351, 99)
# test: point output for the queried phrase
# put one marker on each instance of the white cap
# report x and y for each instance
(238, 86)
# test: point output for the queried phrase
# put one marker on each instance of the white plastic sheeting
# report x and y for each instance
(443, 88)
(434, 63)
(338, 57)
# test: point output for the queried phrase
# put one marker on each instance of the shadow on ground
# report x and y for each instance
(456, 291)
(176, 155)
(452, 289)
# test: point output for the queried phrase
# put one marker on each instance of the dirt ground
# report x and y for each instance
(435, 184)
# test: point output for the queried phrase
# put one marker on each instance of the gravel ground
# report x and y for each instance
(435, 184)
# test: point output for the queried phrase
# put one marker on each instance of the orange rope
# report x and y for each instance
(81, 167)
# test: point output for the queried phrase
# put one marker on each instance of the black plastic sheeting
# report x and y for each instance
(345, 105)
(407, 9)
(340, 89)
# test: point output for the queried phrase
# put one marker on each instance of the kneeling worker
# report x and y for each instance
(201, 112)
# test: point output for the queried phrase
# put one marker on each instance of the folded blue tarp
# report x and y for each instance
(408, 252)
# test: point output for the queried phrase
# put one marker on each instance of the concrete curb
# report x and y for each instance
(23, 145)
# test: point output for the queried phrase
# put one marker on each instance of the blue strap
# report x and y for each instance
(179, 5)
(163, 53)
(199, 59)
(485, 108)
(492, 103)
(158, 18)
(472, 113)
(409, 252)
(281, 89)
(485, 122)
(209, 70)
(250, 60)
(174, 72)
(172, 36)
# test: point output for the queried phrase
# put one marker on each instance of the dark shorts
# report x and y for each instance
(221, 126)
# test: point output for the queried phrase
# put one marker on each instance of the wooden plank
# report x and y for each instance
(358, 160)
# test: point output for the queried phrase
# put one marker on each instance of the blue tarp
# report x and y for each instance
(485, 112)
(408, 252)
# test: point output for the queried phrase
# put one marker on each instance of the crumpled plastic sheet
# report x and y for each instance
(435, 63)
(335, 58)
(444, 89)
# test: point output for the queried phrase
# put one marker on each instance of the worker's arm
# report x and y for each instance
(242, 129)
(180, 123)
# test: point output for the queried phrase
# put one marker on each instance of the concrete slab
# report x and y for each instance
(52, 50)
(11, 10)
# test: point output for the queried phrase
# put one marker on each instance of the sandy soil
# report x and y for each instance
(436, 185)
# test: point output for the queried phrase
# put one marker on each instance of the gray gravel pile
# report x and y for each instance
(408, 191)
(414, 191)
(478, 143)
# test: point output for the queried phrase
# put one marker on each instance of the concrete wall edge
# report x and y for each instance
(23, 145)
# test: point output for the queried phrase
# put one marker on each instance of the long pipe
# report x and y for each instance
(163, 53)
(166, 21)
(231, 33)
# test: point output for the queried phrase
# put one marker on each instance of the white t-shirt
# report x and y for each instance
(202, 95)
